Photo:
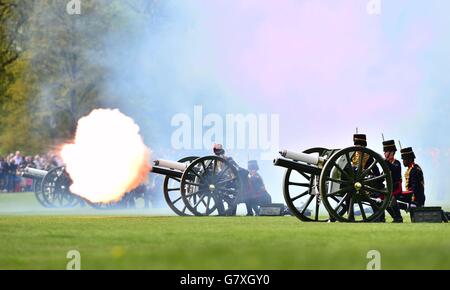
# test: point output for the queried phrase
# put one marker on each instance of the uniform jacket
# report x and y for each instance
(415, 182)
(396, 172)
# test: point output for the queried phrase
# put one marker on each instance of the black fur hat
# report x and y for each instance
(360, 140)
(407, 153)
(389, 146)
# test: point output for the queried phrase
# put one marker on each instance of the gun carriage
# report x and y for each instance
(51, 187)
(209, 185)
(349, 185)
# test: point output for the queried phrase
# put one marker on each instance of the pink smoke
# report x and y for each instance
(317, 63)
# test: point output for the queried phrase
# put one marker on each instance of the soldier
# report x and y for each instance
(258, 194)
(358, 140)
(243, 176)
(414, 180)
(219, 151)
(361, 140)
(395, 167)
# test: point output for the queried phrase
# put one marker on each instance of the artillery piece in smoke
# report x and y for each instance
(52, 190)
(349, 185)
(51, 187)
(209, 185)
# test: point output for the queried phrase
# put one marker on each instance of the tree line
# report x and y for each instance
(47, 77)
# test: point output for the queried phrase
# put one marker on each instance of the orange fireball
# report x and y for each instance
(107, 158)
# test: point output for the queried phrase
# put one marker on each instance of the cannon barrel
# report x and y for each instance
(170, 165)
(282, 162)
(167, 172)
(33, 173)
(169, 168)
(303, 157)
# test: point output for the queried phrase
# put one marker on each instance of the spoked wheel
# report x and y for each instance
(39, 194)
(211, 186)
(301, 192)
(55, 189)
(356, 185)
(172, 191)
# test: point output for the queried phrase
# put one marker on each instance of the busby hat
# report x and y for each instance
(407, 153)
(360, 140)
(253, 165)
(389, 146)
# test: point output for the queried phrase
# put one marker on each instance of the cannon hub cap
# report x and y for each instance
(212, 187)
(358, 186)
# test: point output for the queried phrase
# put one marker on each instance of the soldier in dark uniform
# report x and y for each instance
(243, 176)
(395, 167)
(414, 180)
(361, 140)
(258, 195)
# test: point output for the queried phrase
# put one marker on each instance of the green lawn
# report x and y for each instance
(30, 241)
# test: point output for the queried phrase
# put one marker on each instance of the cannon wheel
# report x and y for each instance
(211, 185)
(301, 192)
(172, 191)
(55, 189)
(39, 194)
(365, 185)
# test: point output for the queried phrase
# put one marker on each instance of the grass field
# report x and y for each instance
(30, 240)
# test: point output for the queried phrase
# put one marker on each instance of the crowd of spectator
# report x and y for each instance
(11, 165)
